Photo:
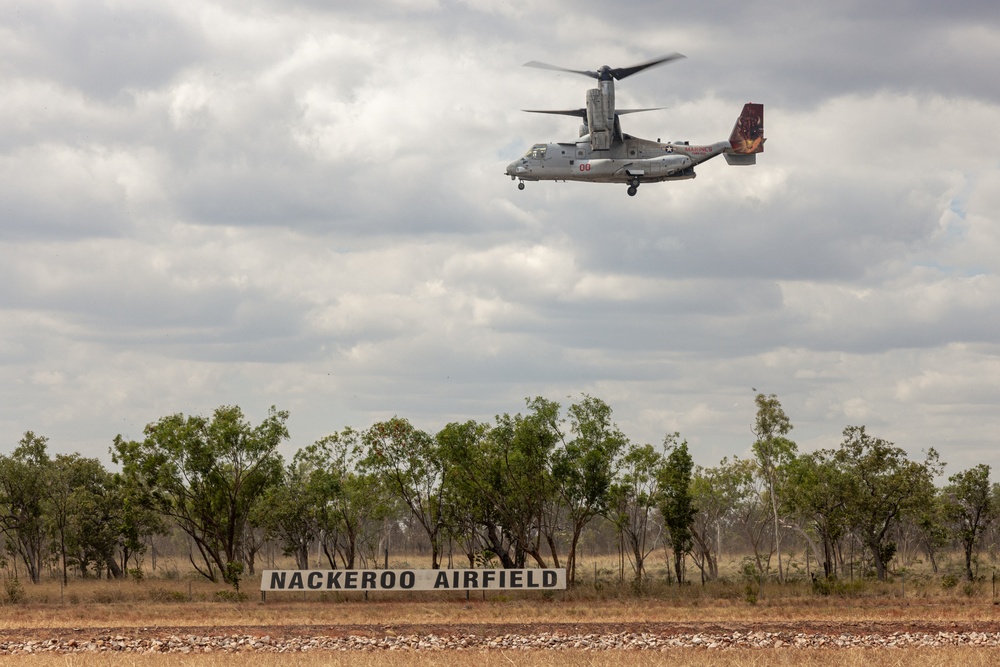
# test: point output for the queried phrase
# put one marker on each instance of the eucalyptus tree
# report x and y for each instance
(287, 512)
(355, 504)
(818, 494)
(583, 469)
(676, 500)
(635, 497)
(66, 483)
(968, 503)
(883, 483)
(137, 519)
(715, 494)
(24, 480)
(207, 475)
(410, 463)
(773, 451)
(471, 518)
(751, 513)
(504, 472)
(96, 515)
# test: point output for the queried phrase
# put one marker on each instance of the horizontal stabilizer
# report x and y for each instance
(741, 160)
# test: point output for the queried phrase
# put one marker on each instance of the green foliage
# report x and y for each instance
(676, 501)
(968, 503)
(774, 452)
(230, 596)
(24, 476)
(817, 493)
(413, 468)
(207, 475)
(633, 500)
(519, 489)
(233, 573)
(167, 595)
(752, 578)
(502, 480)
(882, 485)
(583, 469)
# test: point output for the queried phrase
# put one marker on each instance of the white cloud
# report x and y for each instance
(303, 204)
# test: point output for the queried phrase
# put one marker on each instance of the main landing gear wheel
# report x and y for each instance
(634, 182)
(631, 191)
(520, 186)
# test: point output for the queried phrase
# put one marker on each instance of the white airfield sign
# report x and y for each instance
(413, 580)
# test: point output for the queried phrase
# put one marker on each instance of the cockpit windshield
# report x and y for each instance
(536, 152)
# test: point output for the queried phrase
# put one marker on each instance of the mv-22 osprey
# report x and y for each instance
(605, 154)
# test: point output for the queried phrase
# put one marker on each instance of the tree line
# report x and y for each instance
(520, 490)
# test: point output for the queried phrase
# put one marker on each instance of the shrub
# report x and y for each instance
(230, 596)
(166, 595)
(13, 591)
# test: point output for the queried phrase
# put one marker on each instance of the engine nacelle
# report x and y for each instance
(597, 120)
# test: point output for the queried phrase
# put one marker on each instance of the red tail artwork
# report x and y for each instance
(748, 133)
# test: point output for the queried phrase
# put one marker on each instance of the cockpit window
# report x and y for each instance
(536, 152)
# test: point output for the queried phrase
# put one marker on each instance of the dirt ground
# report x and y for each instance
(665, 629)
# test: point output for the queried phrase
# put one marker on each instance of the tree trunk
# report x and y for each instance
(113, 569)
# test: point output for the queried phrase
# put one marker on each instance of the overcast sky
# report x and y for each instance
(302, 204)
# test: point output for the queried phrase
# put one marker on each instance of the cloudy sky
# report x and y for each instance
(301, 203)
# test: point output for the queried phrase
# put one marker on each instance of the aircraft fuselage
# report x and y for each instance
(629, 159)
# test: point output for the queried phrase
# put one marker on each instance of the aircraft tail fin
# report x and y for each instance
(747, 138)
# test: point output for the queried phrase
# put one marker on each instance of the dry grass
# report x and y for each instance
(458, 611)
(967, 657)
(180, 602)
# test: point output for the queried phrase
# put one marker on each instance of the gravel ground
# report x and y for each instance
(597, 637)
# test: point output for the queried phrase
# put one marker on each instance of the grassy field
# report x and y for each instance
(194, 603)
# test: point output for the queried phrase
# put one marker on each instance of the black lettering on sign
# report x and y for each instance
(351, 579)
(367, 580)
(333, 579)
(278, 580)
(488, 577)
(388, 579)
(442, 580)
(548, 579)
(296, 581)
(515, 579)
(407, 580)
(315, 580)
(471, 579)
(531, 579)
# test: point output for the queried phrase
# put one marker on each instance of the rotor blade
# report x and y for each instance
(581, 113)
(538, 65)
(622, 72)
(624, 111)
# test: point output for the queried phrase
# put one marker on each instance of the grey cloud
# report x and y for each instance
(98, 49)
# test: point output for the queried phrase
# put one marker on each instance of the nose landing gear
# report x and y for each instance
(520, 186)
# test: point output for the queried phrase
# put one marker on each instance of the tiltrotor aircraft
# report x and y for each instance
(605, 154)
